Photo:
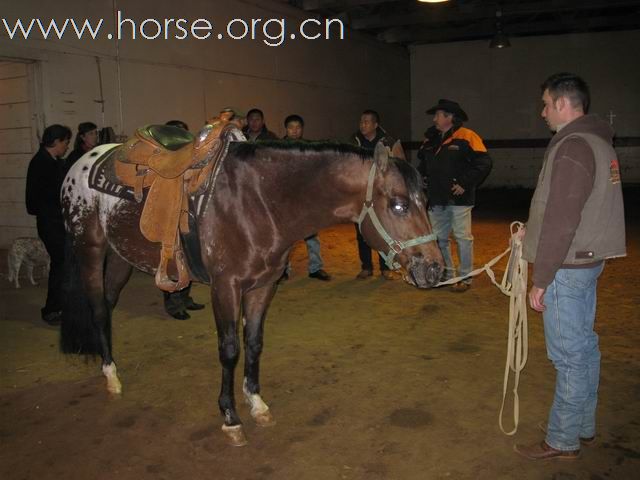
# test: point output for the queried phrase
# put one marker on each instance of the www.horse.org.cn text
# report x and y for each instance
(272, 31)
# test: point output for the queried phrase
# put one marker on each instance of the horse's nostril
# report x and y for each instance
(433, 274)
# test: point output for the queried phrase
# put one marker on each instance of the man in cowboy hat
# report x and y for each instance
(453, 162)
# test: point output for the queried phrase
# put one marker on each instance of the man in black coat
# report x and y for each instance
(453, 161)
(44, 180)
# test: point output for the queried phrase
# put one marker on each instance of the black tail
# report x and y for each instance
(79, 333)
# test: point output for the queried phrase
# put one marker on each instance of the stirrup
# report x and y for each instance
(162, 278)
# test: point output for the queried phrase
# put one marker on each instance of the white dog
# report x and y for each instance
(28, 251)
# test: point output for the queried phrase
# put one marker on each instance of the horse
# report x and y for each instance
(264, 198)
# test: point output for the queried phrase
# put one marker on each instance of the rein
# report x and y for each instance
(513, 285)
(395, 246)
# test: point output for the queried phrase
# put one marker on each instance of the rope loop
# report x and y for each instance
(513, 285)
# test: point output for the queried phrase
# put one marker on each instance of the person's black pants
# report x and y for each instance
(52, 234)
(364, 252)
(176, 302)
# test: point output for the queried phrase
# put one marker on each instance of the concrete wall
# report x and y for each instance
(499, 90)
(328, 82)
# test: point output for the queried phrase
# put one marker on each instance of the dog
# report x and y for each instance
(30, 252)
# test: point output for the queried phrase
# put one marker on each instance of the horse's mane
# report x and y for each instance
(248, 150)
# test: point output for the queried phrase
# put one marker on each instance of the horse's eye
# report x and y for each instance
(399, 207)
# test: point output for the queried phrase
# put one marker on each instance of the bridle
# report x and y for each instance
(395, 246)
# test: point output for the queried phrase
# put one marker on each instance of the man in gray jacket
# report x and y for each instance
(576, 221)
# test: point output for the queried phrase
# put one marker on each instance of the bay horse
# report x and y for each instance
(264, 198)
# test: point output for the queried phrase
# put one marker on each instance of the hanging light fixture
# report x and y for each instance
(500, 39)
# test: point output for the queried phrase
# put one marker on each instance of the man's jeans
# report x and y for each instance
(313, 249)
(444, 219)
(572, 346)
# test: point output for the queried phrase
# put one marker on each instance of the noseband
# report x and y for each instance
(395, 246)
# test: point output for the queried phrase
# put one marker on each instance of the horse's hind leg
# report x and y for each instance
(86, 324)
(92, 272)
(117, 274)
(254, 310)
(226, 308)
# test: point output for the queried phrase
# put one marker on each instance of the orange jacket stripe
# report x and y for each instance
(471, 137)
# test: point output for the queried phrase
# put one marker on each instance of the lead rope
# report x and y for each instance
(514, 285)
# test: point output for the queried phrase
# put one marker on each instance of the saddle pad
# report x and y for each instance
(102, 178)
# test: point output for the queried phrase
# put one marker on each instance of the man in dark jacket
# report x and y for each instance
(453, 161)
(368, 135)
(256, 129)
(576, 221)
(44, 181)
(294, 127)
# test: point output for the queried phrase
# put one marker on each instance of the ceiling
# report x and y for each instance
(409, 22)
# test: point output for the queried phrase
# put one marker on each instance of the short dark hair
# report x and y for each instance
(255, 110)
(178, 123)
(373, 113)
(55, 132)
(294, 118)
(568, 85)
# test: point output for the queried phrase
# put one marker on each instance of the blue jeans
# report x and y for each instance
(444, 220)
(572, 346)
(313, 249)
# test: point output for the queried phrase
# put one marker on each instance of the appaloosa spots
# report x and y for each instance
(410, 418)
(203, 433)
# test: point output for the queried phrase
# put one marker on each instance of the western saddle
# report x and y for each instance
(172, 164)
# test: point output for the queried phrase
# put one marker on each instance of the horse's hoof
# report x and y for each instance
(235, 435)
(264, 419)
(114, 387)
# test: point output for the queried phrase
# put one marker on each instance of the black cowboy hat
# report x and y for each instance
(449, 106)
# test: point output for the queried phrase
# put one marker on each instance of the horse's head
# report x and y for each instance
(394, 220)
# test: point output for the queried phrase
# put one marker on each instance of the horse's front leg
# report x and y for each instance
(225, 300)
(254, 310)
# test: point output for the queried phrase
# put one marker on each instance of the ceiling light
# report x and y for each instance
(500, 39)
(433, 1)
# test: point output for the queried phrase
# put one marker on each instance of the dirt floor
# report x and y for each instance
(367, 379)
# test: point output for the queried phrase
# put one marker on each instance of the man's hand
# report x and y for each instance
(536, 299)
(457, 189)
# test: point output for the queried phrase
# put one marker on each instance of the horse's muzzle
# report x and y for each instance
(423, 274)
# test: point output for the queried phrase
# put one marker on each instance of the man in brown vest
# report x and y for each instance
(576, 221)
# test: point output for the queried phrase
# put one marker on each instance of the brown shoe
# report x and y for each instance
(387, 275)
(542, 451)
(584, 441)
(364, 274)
(460, 287)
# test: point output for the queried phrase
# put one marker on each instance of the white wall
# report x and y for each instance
(499, 90)
(328, 82)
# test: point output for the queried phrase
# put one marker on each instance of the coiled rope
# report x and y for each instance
(513, 285)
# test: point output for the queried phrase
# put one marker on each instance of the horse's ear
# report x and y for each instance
(381, 156)
(397, 150)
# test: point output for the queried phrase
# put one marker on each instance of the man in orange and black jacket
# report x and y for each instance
(453, 162)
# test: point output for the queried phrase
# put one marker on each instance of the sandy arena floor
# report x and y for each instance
(367, 380)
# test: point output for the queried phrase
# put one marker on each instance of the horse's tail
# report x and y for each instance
(79, 332)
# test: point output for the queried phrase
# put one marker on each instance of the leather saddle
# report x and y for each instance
(172, 164)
